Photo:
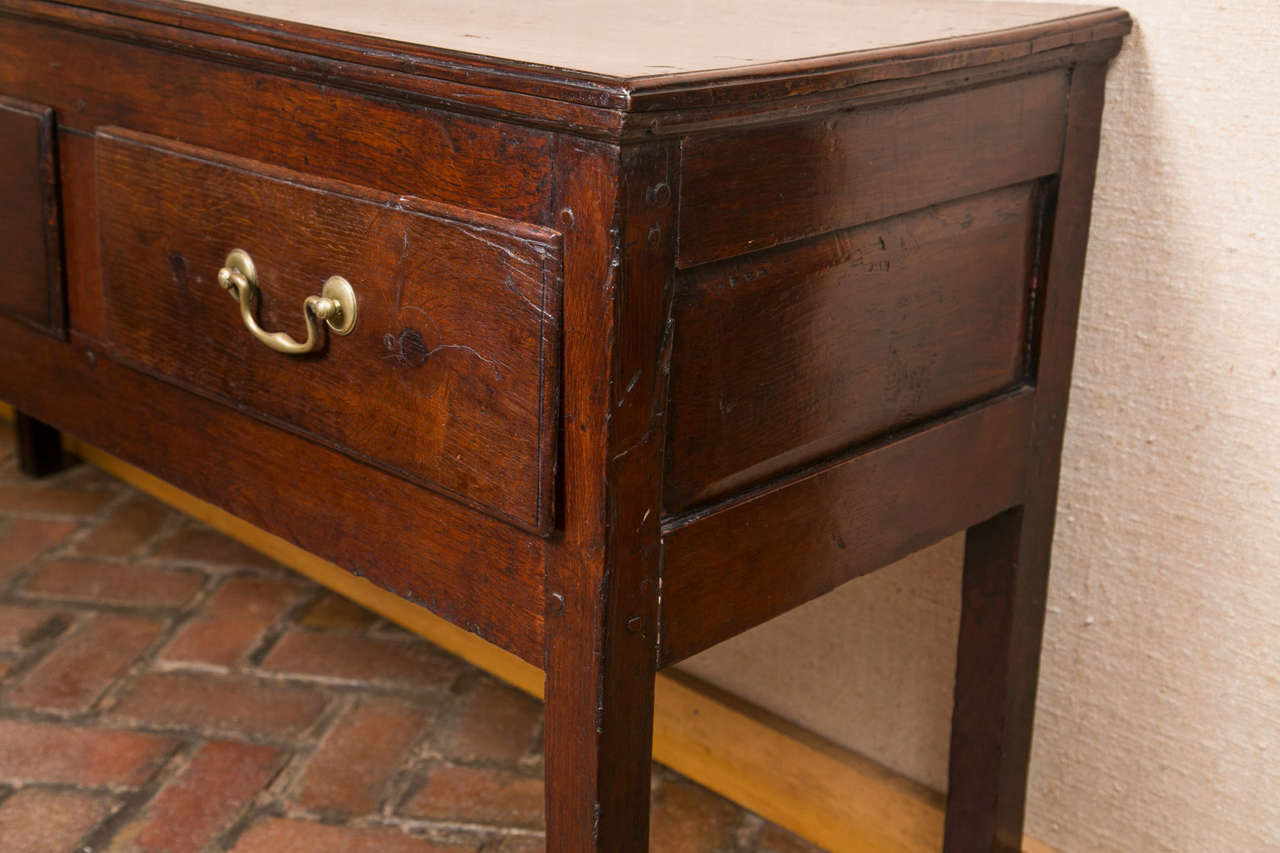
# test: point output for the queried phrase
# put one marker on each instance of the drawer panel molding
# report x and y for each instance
(31, 287)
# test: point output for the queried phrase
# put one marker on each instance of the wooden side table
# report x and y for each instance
(604, 332)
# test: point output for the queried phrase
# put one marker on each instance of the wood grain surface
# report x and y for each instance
(80, 228)
(313, 126)
(750, 190)
(451, 375)
(735, 566)
(31, 286)
(1006, 570)
(602, 606)
(610, 38)
(786, 356)
(598, 103)
(480, 573)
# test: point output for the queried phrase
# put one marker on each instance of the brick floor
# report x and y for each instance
(162, 688)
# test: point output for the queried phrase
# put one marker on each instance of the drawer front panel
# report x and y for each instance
(788, 356)
(450, 376)
(742, 192)
(31, 285)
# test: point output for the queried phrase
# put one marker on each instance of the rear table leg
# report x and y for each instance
(39, 446)
(1005, 578)
(1006, 564)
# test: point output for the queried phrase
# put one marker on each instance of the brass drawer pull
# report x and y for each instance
(336, 305)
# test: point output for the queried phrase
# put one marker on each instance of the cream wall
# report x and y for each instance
(1158, 725)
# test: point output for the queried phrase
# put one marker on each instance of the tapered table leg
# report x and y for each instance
(1001, 621)
(39, 446)
(598, 756)
(1006, 566)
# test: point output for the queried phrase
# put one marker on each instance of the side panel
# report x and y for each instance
(745, 191)
(787, 356)
(748, 561)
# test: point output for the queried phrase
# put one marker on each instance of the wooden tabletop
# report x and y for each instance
(610, 69)
(629, 40)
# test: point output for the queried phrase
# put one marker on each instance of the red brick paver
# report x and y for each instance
(114, 583)
(404, 663)
(353, 767)
(24, 538)
(233, 621)
(286, 836)
(39, 820)
(688, 818)
(85, 663)
(775, 839)
(222, 779)
(499, 724)
(163, 688)
(20, 499)
(21, 626)
(76, 755)
(223, 705)
(129, 526)
(522, 845)
(481, 795)
(197, 544)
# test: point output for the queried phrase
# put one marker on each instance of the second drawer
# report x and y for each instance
(449, 377)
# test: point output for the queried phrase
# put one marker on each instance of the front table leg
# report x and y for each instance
(599, 744)
(601, 616)
(38, 446)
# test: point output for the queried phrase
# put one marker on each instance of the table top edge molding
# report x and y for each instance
(589, 103)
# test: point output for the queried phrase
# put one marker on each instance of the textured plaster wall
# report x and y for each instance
(1158, 723)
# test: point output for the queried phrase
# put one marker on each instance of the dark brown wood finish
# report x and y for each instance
(450, 377)
(885, 85)
(602, 605)
(473, 570)
(747, 191)
(80, 226)
(802, 318)
(1007, 559)
(31, 246)
(386, 145)
(786, 356)
(733, 567)
(584, 103)
(38, 446)
(589, 104)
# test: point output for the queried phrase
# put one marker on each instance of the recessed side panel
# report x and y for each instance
(31, 283)
(791, 355)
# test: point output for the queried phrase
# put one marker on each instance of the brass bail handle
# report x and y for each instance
(336, 305)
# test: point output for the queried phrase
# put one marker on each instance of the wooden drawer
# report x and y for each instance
(449, 378)
(31, 287)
